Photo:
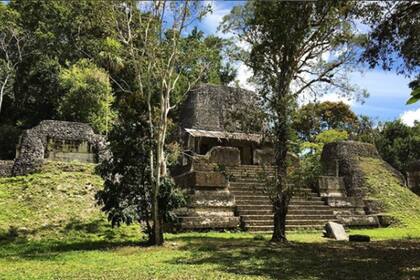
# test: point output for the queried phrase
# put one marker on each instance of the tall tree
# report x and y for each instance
(163, 68)
(289, 43)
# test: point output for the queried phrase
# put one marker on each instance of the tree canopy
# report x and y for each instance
(288, 43)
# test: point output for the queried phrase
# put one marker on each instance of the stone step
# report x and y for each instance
(257, 211)
(256, 217)
(293, 206)
(253, 179)
(263, 201)
(308, 207)
(247, 206)
(311, 217)
(246, 184)
(255, 207)
(246, 218)
(288, 228)
(250, 197)
(306, 202)
(308, 198)
(260, 191)
(267, 202)
(288, 222)
(300, 211)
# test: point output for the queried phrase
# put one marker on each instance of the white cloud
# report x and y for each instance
(212, 21)
(336, 98)
(244, 73)
(408, 117)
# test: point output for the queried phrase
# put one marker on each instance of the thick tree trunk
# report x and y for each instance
(281, 201)
(280, 211)
(282, 198)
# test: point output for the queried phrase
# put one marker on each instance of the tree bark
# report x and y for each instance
(281, 201)
(281, 130)
(3, 89)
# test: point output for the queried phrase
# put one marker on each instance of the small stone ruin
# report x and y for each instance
(343, 185)
(57, 140)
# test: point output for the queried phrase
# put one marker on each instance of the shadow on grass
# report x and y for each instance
(332, 260)
(78, 236)
(48, 250)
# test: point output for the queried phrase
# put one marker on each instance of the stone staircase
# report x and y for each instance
(306, 209)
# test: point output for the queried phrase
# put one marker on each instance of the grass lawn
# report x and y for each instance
(214, 256)
(50, 228)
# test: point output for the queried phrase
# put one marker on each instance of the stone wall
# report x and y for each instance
(6, 168)
(35, 143)
(210, 203)
(221, 108)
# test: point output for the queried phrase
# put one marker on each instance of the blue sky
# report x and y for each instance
(388, 91)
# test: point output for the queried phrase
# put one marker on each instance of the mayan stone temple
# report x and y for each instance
(226, 162)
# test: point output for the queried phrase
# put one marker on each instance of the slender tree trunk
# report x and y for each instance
(160, 173)
(157, 235)
(3, 89)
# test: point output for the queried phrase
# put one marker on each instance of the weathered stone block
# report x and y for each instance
(336, 231)
(197, 179)
(359, 220)
(264, 156)
(331, 186)
(224, 155)
(212, 199)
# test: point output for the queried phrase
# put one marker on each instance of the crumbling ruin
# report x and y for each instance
(344, 186)
(226, 162)
(57, 140)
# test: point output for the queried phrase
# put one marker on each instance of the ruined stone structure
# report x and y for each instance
(225, 164)
(57, 140)
(343, 186)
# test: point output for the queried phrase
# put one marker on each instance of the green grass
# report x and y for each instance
(57, 202)
(50, 228)
(210, 256)
(396, 200)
